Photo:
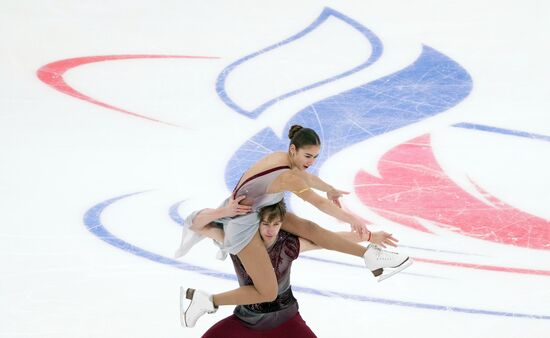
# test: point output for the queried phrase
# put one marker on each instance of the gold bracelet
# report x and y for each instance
(301, 191)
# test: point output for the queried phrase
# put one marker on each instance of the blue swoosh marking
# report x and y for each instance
(92, 221)
(327, 12)
(432, 84)
(258, 146)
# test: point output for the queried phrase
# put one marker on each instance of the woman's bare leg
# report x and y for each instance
(212, 231)
(258, 266)
(321, 236)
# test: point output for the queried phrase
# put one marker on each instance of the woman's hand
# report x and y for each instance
(233, 208)
(334, 195)
(382, 238)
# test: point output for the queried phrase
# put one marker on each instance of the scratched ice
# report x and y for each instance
(93, 197)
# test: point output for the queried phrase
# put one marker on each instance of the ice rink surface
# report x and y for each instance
(119, 118)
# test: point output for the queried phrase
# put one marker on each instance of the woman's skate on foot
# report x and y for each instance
(188, 239)
(201, 303)
(384, 264)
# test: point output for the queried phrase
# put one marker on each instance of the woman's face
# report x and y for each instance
(304, 157)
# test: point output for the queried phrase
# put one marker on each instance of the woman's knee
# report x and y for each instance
(258, 265)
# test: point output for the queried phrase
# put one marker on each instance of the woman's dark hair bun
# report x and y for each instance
(293, 130)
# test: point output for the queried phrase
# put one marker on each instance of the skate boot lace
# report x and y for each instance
(383, 255)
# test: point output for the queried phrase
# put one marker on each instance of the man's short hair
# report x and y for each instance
(271, 212)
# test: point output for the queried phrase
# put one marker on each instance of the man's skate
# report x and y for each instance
(384, 264)
(201, 303)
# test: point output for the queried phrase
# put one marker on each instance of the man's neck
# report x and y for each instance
(268, 246)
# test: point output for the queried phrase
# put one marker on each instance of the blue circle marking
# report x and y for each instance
(92, 221)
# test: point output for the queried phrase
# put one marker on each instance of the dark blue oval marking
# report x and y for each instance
(92, 221)
(490, 129)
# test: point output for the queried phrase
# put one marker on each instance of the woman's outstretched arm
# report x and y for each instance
(317, 183)
(299, 187)
(296, 184)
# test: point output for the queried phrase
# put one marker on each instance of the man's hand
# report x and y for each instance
(382, 238)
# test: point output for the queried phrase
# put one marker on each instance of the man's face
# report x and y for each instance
(270, 230)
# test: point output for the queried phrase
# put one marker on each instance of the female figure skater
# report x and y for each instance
(264, 184)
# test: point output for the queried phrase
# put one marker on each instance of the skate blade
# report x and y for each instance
(395, 270)
(182, 312)
(185, 294)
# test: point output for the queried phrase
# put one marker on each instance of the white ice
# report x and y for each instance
(60, 156)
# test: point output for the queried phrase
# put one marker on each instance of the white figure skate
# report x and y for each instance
(384, 264)
(201, 303)
(188, 239)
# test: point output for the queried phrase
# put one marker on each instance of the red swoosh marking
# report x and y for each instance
(484, 267)
(52, 75)
(414, 185)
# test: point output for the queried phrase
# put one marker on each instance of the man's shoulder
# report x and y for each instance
(285, 235)
(290, 243)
